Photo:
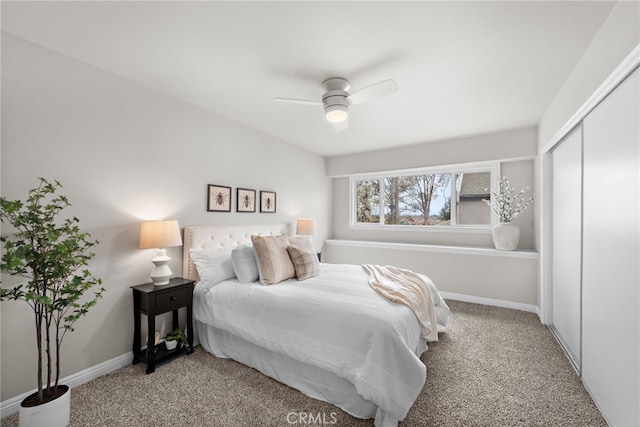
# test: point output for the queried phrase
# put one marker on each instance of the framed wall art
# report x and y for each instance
(218, 198)
(245, 200)
(267, 201)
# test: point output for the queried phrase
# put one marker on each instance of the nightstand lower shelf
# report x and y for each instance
(161, 354)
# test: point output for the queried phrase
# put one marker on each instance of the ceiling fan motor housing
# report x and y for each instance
(336, 106)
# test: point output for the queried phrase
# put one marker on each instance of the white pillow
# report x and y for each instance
(244, 264)
(213, 266)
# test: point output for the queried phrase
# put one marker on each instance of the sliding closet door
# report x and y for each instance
(566, 164)
(611, 254)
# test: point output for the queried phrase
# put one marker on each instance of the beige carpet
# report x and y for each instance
(493, 367)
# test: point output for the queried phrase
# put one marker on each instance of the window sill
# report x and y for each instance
(476, 229)
(464, 250)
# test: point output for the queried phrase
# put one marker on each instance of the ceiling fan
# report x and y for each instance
(337, 99)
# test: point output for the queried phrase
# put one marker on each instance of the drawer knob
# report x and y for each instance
(173, 298)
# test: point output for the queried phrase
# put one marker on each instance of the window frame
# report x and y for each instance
(492, 167)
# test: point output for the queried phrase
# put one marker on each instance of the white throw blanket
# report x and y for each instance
(411, 289)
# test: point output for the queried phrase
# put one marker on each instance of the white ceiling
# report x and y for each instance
(463, 68)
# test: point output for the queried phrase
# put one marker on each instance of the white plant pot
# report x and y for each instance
(56, 413)
(506, 236)
(171, 345)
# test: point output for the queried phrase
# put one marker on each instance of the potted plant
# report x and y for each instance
(507, 204)
(177, 336)
(51, 253)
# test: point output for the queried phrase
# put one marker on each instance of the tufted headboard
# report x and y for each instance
(223, 236)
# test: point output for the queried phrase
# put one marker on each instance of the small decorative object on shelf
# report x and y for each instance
(175, 337)
(507, 205)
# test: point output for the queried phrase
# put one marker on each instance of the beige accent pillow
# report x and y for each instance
(305, 261)
(273, 259)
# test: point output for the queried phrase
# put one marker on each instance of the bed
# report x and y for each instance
(330, 336)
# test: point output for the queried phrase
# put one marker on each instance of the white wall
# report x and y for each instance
(125, 153)
(478, 275)
(617, 37)
(488, 147)
(495, 147)
(485, 274)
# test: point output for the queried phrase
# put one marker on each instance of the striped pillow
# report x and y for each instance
(274, 264)
(305, 261)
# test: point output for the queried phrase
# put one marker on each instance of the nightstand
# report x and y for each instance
(153, 300)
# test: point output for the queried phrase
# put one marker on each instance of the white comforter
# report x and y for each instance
(334, 321)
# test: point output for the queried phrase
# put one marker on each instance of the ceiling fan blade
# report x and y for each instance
(340, 126)
(374, 91)
(297, 101)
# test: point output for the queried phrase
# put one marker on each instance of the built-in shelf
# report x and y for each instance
(463, 250)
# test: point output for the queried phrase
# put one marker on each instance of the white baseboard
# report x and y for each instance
(11, 406)
(493, 302)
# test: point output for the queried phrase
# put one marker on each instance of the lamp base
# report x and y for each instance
(160, 281)
(161, 273)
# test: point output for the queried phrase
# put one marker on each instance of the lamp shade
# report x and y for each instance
(306, 227)
(160, 234)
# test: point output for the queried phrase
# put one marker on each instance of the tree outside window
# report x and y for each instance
(428, 199)
(368, 201)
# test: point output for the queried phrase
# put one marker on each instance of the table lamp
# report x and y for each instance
(306, 227)
(160, 234)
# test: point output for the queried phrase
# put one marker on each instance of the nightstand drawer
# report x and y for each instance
(171, 299)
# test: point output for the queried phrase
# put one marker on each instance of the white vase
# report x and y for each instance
(56, 413)
(506, 236)
(171, 345)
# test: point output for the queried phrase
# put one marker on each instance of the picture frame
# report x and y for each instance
(218, 198)
(245, 200)
(267, 201)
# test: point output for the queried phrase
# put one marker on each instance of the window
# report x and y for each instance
(368, 201)
(471, 189)
(427, 198)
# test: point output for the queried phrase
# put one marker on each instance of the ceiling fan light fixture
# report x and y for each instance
(336, 113)
(336, 99)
